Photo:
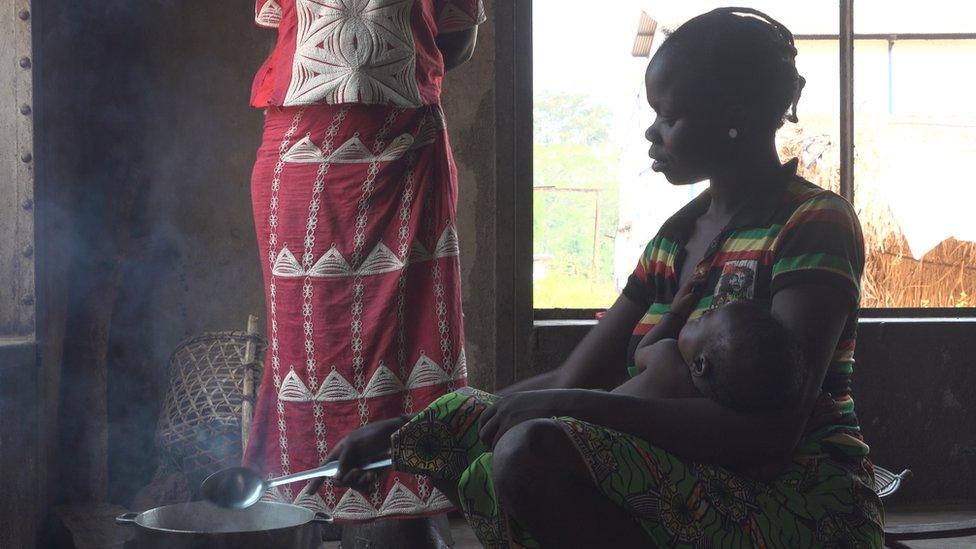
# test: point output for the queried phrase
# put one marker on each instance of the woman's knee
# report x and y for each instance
(526, 457)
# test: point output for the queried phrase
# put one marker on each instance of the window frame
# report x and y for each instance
(846, 37)
(18, 304)
(513, 194)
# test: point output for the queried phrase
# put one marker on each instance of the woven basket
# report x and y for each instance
(199, 428)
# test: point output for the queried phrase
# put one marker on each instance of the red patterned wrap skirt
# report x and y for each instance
(355, 211)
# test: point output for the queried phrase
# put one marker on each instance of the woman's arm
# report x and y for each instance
(698, 428)
(457, 47)
(598, 361)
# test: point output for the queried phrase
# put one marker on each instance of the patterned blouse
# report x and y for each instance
(357, 51)
(797, 234)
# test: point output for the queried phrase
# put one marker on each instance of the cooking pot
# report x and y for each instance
(201, 524)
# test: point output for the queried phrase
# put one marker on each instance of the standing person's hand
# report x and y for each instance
(368, 443)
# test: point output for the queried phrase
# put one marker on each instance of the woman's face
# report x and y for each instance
(685, 146)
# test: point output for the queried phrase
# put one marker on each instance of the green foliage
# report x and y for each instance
(560, 291)
(570, 118)
(575, 173)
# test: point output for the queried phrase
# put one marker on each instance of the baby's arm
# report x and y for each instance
(664, 375)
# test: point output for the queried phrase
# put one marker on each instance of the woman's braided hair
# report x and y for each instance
(751, 57)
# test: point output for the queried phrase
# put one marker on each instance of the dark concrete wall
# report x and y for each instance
(20, 484)
(469, 104)
(914, 389)
(915, 394)
(198, 269)
(20, 434)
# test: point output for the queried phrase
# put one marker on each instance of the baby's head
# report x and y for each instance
(741, 356)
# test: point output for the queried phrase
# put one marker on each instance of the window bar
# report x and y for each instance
(847, 99)
(513, 171)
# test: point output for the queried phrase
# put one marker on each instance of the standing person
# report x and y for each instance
(354, 194)
(564, 460)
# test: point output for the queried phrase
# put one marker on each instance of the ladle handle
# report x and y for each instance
(328, 470)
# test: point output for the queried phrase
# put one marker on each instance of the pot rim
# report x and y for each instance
(133, 518)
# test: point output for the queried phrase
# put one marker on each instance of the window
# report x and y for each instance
(914, 137)
(596, 203)
(587, 117)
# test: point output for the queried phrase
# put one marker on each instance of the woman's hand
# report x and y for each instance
(361, 446)
(685, 300)
(514, 409)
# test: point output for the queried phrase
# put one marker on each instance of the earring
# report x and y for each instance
(733, 133)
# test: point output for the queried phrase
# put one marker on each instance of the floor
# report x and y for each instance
(94, 527)
(464, 537)
(896, 517)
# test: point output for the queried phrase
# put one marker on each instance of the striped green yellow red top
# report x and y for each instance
(797, 233)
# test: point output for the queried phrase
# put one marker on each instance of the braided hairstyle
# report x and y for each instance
(751, 58)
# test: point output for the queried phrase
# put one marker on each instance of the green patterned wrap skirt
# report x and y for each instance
(816, 501)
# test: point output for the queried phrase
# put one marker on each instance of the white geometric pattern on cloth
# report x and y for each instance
(284, 459)
(426, 372)
(331, 264)
(354, 51)
(336, 388)
(447, 246)
(269, 16)
(461, 367)
(453, 19)
(354, 151)
(351, 152)
(273, 495)
(403, 233)
(358, 287)
(308, 290)
(400, 500)
(381, 260)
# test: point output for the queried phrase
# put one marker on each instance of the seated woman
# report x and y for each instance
(565, 460)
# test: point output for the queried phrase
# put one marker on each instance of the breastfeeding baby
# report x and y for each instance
(739, 355)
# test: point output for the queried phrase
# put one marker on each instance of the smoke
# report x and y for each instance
(145, 143)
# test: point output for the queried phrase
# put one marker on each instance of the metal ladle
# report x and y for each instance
(240, 487)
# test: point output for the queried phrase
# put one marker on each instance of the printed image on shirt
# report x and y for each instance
(738, 281)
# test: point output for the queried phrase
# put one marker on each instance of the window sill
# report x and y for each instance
(868, 320)
(16, 352)
(16, 341)
(563, 322)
